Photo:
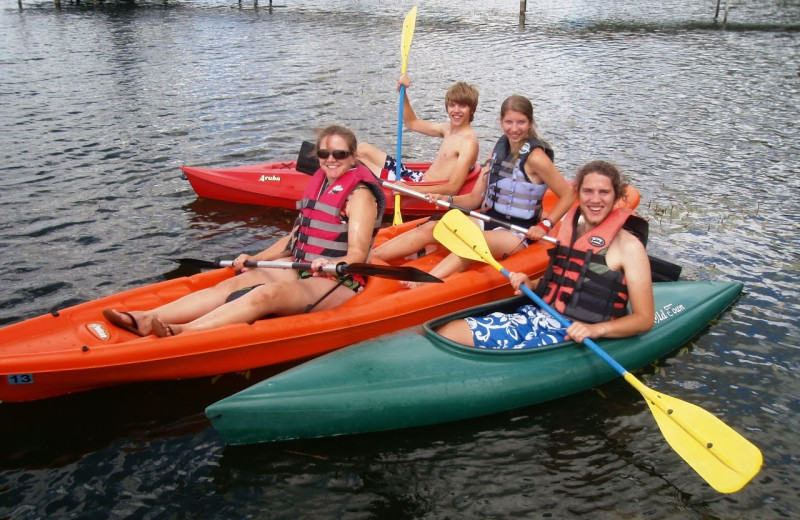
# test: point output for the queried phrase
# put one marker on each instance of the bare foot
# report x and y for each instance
(412, 285)
(162, 330)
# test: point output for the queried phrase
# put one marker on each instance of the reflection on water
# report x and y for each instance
(102, 106)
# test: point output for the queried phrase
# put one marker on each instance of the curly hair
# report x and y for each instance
(605, 169)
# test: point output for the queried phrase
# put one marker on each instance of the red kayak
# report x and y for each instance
(281, 185)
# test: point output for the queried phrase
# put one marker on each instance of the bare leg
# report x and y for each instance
(284, 298)
(450, 264)
(196, 304)
(372, 157)
(500, 242)
(457, 331)
(407, 243)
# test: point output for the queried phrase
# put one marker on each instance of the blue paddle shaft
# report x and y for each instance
(566, 323)
(399, 133)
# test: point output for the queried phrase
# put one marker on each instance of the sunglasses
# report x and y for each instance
(337, 154)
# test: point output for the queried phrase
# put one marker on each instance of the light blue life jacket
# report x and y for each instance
(511, 196)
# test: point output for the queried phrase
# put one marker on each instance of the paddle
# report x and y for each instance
(662, 270)
(725, 459)
(395, 272)
(450, 205)
(405, 45)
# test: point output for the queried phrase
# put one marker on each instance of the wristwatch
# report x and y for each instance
(546, 223)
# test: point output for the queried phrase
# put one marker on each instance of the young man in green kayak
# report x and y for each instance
(597, 269)
(457, 153)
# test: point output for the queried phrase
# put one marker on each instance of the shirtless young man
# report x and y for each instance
(457, 153)
(616, 274)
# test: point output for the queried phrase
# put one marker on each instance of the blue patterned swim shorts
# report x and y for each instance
(528, 327)
(390, 166)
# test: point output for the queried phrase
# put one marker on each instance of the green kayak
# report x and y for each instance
(411, 379)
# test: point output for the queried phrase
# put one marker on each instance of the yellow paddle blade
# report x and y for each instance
(408, 33)
(725, 459)
(462, 236)
(398, 217)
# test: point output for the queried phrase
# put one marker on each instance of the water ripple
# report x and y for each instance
(100, 108)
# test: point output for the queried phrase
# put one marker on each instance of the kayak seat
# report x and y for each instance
(307, 161)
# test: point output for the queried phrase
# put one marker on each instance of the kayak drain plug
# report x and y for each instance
(85, 348)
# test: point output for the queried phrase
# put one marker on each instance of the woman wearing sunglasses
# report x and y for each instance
(340, 215)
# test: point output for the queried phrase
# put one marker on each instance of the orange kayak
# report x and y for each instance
(281, 185)
(76, 349)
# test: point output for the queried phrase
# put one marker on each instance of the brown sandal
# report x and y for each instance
(115, 318)
(162, 330)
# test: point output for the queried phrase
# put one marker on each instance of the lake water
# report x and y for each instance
(100, 107)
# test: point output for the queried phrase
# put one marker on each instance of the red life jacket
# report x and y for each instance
(578, 283)
(321, 227)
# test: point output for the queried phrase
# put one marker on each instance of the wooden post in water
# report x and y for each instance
(724, 16)
(523, 4)
(255, 4)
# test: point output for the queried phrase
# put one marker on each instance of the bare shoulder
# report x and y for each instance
(538, 165)
(362, 191)
(361, 199)
(540, 169)
(539, 158)
(626, 242)
(472, 135)
(443, 130)
(627, 253)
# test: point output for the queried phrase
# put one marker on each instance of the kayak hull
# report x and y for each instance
(76, 349)
(411, 379)
(280, 185)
